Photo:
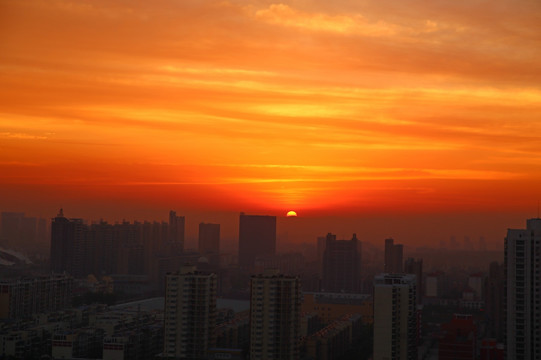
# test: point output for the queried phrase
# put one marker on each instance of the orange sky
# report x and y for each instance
(342, 107)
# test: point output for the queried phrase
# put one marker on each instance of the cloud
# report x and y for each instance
(309, 94)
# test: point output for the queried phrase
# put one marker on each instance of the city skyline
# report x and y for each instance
(335, 109)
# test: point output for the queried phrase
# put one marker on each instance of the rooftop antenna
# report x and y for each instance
(538, 209)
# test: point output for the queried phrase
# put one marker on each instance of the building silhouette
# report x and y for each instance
(494, 288)
(209, 242)
(176, 233)
(190, 314)
(415, 267)
(67, 245)
(395, 317)
(257, 238)
(523, 291)
(275, 313)
(393, 257)
(341, 265)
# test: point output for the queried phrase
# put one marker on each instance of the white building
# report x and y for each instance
(275, 316)
(190, 314)
(395, 317)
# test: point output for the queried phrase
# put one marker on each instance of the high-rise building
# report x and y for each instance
(341, 265)
(257, 238)
(395, 317)
(176, 232)
(275, 316)
(415, 267)
(494, 287)
(190, 314)
(67, 245)
(209, 242)
(523, 291)
(393, 257)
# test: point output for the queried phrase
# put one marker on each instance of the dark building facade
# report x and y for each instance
(122, 248)
(393, 257)
(67, 245)
(415, 267)
(341, 265)
(494, 288)
(257, 238)
(522, 294)
(176, 232)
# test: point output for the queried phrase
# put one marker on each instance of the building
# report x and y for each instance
(341, 265)
(67, 245)
(335, 340)
(415, 267)
(395, 317)
(330, 307)
(234, 333)
(25, 297)
(494, 287)
(459, 341)
(176, 232)
(523, 291)
(190, 314)
(393, 257)
(434, 284)
(209, 242)
(257, 238)
(275, 316)
(476, 282)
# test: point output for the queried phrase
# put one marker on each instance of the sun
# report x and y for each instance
(291, 213)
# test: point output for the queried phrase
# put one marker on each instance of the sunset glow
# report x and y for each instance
(262, 106)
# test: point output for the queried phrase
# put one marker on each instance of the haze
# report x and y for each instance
(410, 119)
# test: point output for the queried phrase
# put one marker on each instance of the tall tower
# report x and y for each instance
(395, 317)
(190, 314)
(415, 267)
(523, 291)
(67, 245)
(393, 257)
(275, 310)
(494, 287)
(341, 265)
(209, 242)
(176, 231)
(257, 238)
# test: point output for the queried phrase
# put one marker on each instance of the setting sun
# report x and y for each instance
(291, 213)
(351, 109)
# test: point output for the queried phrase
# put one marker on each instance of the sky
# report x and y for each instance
(359, 109)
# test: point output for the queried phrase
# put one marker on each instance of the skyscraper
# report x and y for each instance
(415, 267)
(494, 287)
(257, 238)
(275, 310)
(209, 242)
(67, 245)
(341, 265)
(176, 232)
(523, 291)
(190, 314)
(395, 317)
(393, 257)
